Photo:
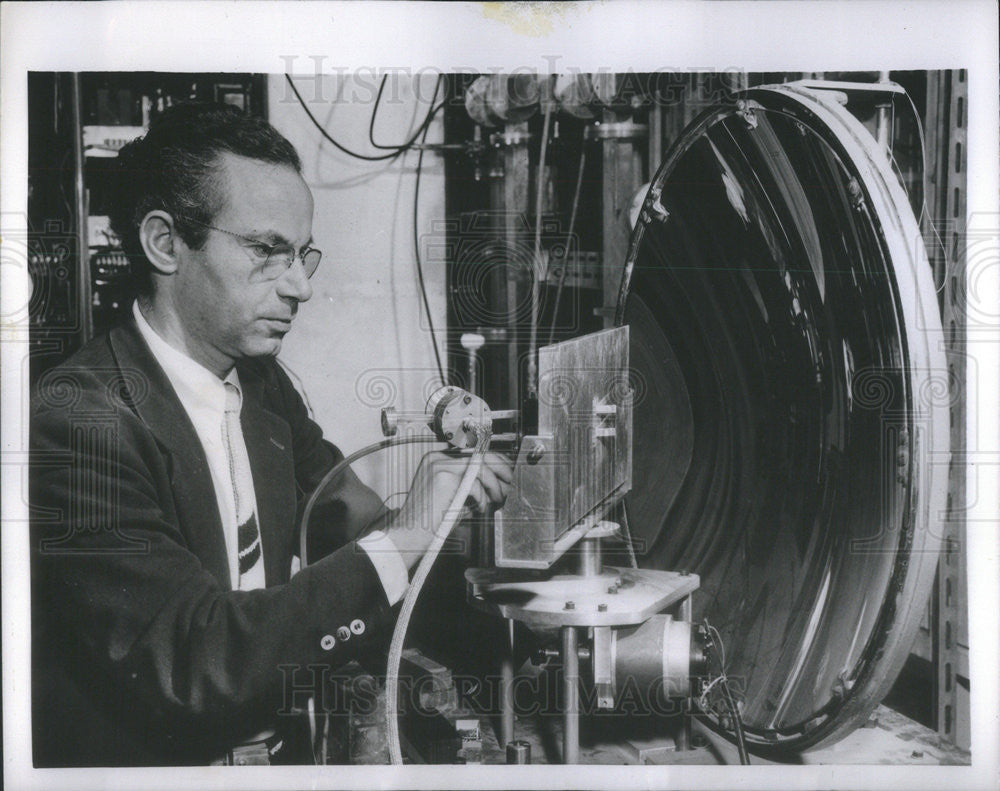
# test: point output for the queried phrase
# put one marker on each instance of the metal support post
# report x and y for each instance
(590, 557)
(507, 688)
(684, 736)
(685, 609)
(571, 696)
(85, 293)
(882, 125)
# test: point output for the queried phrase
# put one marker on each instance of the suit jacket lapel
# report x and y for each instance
(190, 478)
(269, 445)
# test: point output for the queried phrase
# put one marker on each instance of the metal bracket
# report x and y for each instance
(603, 658)
(747, 112)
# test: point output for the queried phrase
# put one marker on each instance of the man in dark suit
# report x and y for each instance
(170, 460)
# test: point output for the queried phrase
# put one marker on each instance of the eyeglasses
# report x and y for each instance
(272, 261)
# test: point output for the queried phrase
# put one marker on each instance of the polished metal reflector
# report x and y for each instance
(791, 405)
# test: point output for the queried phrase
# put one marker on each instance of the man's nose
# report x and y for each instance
(294, 283)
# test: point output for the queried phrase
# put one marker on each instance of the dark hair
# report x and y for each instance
(173, 168)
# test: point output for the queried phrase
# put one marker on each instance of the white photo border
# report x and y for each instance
(260, 37)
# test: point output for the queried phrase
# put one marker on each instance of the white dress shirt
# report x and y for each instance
(203, 396)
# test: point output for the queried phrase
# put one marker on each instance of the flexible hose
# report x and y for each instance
(423, 570)
(337, 469)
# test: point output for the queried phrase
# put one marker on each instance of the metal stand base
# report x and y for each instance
(603, 598)
(616, 597)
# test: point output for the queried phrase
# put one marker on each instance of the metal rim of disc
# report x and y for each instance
(913, 553)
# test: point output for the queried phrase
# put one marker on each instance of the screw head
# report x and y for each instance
(467, 400)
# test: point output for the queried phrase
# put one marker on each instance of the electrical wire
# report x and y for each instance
(923, 154)
(425, 123)
(722, 682)
(627, 535)
(300, 387)
(420, 576)
(734, 712)
(717, 640)
(537, 273)
(569, 237)
(923, 197)
(337, 145)
(337, 469)
(385, 502)
(397, 151)
(416, 254)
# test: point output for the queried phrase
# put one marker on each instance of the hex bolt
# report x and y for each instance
(570, 605)
(613, 589)
(602, 608)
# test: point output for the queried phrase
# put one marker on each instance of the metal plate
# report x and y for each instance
(576, 378)
(570, 600)
(583, 452)
(779, 263)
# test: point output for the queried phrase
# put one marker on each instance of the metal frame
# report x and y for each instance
(947, 102)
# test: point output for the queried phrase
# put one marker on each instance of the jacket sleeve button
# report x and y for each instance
(343, 633)
(327, 642)
(358, 626)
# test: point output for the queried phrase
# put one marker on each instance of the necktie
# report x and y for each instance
(251, 567)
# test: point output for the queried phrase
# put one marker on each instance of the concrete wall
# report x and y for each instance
(362, 341)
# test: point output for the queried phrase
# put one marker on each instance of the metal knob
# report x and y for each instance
(390, 422)
(472, 341)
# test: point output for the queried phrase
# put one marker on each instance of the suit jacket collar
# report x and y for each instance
(268, 441)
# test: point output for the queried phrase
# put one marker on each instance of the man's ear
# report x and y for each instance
(160, 242)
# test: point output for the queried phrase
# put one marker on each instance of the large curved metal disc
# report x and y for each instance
(792, 437)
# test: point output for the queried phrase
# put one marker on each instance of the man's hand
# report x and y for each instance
(434, 487)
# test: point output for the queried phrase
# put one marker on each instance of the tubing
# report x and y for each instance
(339, 468)
(423, 570)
